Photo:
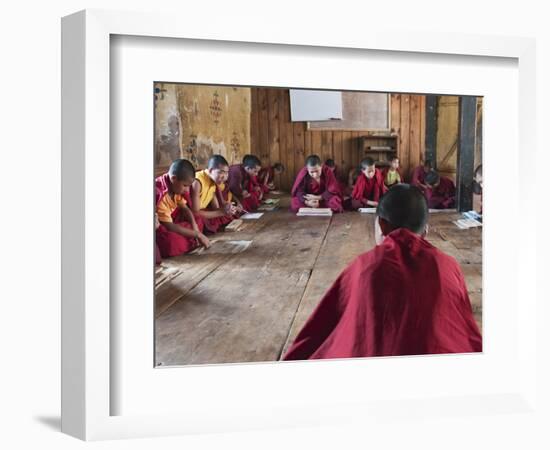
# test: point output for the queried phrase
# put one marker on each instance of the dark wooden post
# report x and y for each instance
(467, 106)
(431, 129)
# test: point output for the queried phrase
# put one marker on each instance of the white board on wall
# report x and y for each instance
(309, 105)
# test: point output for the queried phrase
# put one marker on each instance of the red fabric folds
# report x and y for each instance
(404, 297)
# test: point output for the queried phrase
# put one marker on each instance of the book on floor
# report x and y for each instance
(314, 212)
(367, 210)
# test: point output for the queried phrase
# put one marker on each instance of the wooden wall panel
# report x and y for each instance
(276, 139)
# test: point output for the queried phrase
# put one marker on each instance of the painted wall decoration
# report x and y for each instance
(196, 121)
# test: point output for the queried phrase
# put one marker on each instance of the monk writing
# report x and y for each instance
(207, 202)
(316, 187)
(243, 183)
(266, 176)
(440, 191)
(419, 174)
(403, 297)
(177, 231)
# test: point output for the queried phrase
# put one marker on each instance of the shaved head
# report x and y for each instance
(404, 206)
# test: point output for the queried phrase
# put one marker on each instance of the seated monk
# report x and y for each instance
(392, 174)
(266, 176)
(243, 184)
(403, 297)
(178, 230)
(207, 202)
(440, 191)
(419, 174)
(369, 186)
(315, 187)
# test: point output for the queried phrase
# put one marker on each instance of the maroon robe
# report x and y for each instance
(367, 189)
(169, 243)
(266, 176)
(404, 297)
(238, 181)
(327, 187)
(443, 195)
(418, 176)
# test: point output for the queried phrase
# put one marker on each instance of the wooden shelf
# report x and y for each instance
(380, 155)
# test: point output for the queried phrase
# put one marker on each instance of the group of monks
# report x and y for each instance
(191, 204)
(318, 185)
(403, 297)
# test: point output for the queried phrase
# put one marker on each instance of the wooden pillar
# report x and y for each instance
(431, 129)
(467, 107)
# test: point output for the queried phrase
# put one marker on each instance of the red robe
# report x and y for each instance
(238, 181)
(418, 176)
(442, 196)
(169, 243)
(404, 297)
(367, 189)
(328, 188)
(266, 176)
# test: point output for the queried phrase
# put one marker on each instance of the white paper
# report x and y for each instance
(251, 216)
(367, 210)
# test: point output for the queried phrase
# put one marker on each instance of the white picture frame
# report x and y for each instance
(88, 326)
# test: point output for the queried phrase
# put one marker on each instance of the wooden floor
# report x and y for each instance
(220, 307)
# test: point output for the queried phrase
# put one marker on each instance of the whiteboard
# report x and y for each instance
(362, 111)
(307, 105)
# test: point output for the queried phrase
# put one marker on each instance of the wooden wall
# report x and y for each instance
(274, 138)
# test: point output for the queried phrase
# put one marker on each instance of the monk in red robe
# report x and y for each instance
(403, 297)
(369, 186)
(266, 176)
(243, 183)
(440, 191)
(207, 201)
(392, 175)
(316, 187)
(419, 174)
(178, 230)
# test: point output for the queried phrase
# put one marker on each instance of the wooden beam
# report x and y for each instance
(430, 141)
(467, 109)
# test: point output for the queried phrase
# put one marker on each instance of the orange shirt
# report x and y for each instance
(167, 205)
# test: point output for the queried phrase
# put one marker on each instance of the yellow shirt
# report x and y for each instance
(392, 178)
(208, 190)
(168, 205)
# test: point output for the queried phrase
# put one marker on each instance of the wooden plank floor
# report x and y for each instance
(219, 307)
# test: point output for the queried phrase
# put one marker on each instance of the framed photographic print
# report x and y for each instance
(173, 326)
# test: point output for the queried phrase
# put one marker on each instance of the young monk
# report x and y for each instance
(243, 183)
(178, 230)
(478, 189)
(391, 174)
(440, 191)
(419, 174)
(266, 176)
(207, 203)
(403, 297)
(315, 187)
(369, 186)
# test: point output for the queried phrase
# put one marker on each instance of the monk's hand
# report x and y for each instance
(205, 242)
(246, 194)
(228, 209)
